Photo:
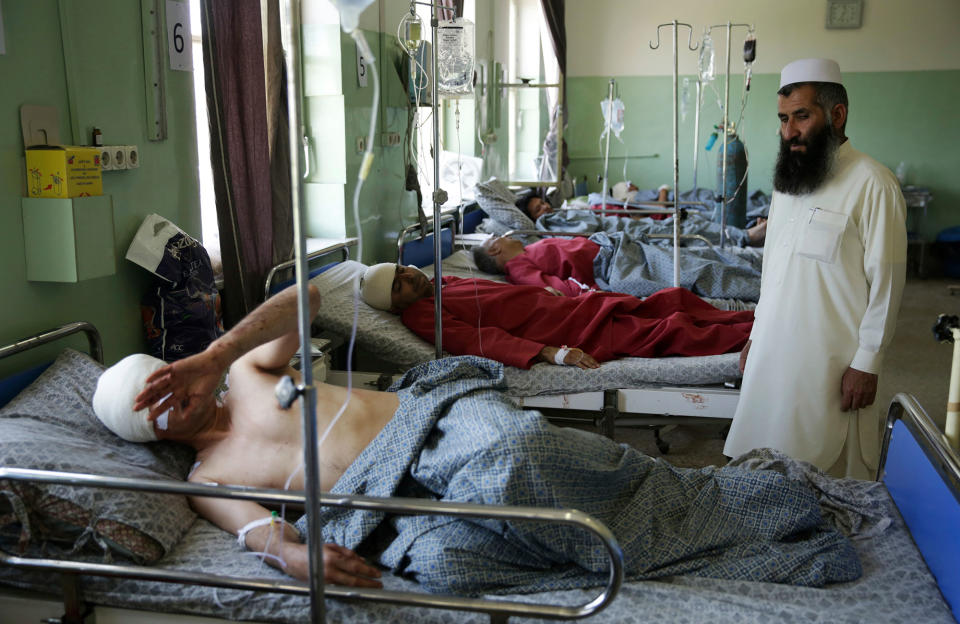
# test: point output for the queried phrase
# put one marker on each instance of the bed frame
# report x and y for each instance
(77, 612)
(654, 407)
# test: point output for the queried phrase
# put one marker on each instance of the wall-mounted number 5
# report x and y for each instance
(361, 68)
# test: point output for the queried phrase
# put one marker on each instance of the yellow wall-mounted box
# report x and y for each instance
(68, 240)
(63, 171)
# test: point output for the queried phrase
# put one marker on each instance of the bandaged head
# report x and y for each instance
(810, 70)
(117, 388)
(377, 284)
(620, 191)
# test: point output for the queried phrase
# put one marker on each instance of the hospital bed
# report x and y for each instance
(897, 585)
(74, 498)
(646, 392)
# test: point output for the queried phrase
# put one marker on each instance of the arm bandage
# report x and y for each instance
(242, 533)
(561, 355)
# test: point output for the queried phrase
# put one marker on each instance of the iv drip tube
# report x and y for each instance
(606, 155)
(308, 400)
(696, 131)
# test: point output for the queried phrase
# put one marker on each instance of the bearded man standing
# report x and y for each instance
(833, 274)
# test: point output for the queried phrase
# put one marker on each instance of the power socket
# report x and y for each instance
(390, 139)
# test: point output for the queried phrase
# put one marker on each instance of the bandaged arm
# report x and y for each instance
(285, 550)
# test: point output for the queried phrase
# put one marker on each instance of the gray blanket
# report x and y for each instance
(456, 437)
(639, 268)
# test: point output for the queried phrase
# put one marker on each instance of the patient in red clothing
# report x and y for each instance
(523, 325)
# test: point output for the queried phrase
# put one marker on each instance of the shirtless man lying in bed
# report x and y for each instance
(449, 433)
(248, 439)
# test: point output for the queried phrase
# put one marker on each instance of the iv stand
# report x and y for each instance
(308, 402)
(696, 129)
(606, 155)
(726, 112)
(439, 195)
(676, 161)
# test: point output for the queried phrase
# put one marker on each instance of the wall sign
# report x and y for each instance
(361, 68)
(179, 43)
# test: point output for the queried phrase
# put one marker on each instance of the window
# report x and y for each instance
(210, 231)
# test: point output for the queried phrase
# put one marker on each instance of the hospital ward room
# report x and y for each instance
(470, 311)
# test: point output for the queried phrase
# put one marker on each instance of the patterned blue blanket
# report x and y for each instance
(456, 437)
(639, 268)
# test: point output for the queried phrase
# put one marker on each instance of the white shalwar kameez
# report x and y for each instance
(833, 271)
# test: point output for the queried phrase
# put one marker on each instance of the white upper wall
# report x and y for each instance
(611, 37)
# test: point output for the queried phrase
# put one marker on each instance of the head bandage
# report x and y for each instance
(377, 284)
(117, 388)
(810, 70)
(620, 191)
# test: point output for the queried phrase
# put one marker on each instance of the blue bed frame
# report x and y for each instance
(922, 474)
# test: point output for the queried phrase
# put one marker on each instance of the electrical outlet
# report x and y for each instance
(390, 139)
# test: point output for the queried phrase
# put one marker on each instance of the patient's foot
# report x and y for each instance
(757, 234)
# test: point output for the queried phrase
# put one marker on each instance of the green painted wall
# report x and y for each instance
(106, 88)
(894, 117)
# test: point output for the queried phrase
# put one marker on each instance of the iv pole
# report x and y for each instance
(676, 136)
(439, 195)
(606, 155)
(726, 113)
(308, 403)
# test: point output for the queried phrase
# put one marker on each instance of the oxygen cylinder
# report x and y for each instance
(736, 171)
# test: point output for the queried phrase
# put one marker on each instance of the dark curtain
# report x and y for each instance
(279, 136)
(553, 14)
(239, 148)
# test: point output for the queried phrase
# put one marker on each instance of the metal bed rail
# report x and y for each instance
(547, 233)
(449, 217)
(498, 610)
(905, 408)
(51, 335)
(343, 247)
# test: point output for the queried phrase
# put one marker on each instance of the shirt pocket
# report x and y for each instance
(822, 235)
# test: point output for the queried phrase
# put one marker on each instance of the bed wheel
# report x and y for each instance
(662, 445)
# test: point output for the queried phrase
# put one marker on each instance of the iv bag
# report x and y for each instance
(455, 56)
(350, 11)
(612, 116)
(705, 66)
(410, 32)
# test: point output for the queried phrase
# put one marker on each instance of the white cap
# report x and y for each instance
(117, 389)
(377, 284)
(810, 70)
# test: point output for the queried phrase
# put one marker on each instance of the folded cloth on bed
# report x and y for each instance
(455, 437)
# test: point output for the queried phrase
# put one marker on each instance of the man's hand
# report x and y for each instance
(743, 356)
(341, 566)
(576, 357)
(859, 389)
(187, 387)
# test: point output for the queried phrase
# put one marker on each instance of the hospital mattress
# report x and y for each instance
(895, 587)
(384, 334)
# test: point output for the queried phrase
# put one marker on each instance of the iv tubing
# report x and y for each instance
(606, 156)
(726, 140)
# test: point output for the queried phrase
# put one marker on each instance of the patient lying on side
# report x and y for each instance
(470, 434)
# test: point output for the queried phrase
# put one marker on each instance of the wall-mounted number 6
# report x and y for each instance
(177, 37)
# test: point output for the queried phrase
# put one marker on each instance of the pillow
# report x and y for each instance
(498, 202)
(50, 425)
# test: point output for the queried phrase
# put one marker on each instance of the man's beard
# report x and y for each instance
(799, 173)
